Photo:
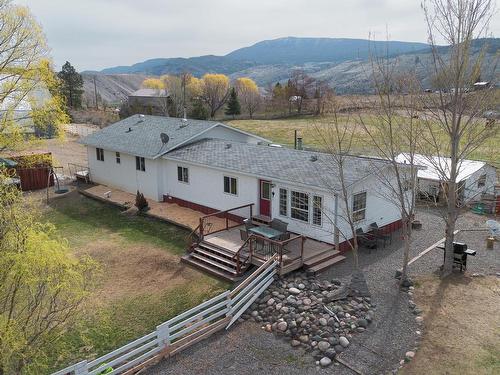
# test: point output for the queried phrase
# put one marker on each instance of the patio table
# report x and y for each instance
(267, 232)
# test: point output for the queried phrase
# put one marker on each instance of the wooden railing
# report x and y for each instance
(224, 220)
(181, 331)
(263, 249)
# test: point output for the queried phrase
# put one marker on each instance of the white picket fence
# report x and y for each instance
(181, 331)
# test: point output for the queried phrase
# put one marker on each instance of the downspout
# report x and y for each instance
(335, 223)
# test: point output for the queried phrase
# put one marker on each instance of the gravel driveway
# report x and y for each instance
(247, 349)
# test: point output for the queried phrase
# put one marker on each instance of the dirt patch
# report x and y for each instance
(135, 269)
(462, 326)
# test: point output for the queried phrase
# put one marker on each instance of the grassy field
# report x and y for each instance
(143, 283)
(462, 326)
(282, 131)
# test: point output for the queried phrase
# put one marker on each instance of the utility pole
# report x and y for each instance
(95, 94)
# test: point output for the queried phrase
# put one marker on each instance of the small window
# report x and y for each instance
(265, 190)
(359, 207)
(283, 202)
(299, 207)
(481, 181)
(317, 210)
(140, 164)
(100, 154)
(183, 174)
(230, 185)
(118, 158)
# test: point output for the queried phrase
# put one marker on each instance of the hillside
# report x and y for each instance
(113, 88)
(343, 63)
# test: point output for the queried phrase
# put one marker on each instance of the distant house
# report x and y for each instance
(211, 166)
(149, 101)
(481, 85)
(475, 177)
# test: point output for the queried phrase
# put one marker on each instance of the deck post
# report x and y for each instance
(251, 212)
(227, 221)
(201, 228)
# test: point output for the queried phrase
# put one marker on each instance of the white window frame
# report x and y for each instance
(235, 194)
(118, 158)
(184, 173)
(99, 154)
(354, 212)
(141, 164)
(320, 210)
(286, 202)
(292, 208)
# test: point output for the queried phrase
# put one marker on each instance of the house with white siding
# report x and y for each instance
(214, 168)
(475, 178)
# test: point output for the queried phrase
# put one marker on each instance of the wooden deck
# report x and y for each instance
(231, 241)
(171, 212)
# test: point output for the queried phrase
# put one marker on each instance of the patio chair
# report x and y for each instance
(248, 224)
(365, 240)
(378, 234)
(281, 226)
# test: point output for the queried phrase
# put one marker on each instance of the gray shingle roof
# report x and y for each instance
(276, 163)
(143, 139)
(149, 93)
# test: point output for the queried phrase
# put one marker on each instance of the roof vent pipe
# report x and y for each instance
(184, 116)
(299, 143)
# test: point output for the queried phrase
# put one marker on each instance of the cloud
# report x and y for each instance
(94, 34)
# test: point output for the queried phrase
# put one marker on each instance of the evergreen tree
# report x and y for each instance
(72, 85)
(233, 105)
(199, 112)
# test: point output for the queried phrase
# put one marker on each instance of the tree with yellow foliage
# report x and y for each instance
(41, 284)
(25, 73)
(153, 83)
(215, 91)
(248, 94)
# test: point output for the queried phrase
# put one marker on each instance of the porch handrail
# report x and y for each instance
(230, 209)
(236, 257)
(224, 214)
(280, 246)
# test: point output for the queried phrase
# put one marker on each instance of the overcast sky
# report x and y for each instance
(95, 34)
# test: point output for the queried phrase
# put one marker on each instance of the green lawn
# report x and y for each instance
(143, 283)
(282, 131)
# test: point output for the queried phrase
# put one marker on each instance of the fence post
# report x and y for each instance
(81, 368)
(229, 305)
(163, 333)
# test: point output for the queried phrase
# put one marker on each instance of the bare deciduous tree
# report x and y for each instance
(454, 127)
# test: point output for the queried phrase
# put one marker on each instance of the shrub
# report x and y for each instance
(140, 202)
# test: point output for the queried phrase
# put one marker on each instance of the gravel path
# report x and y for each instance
(247, 349)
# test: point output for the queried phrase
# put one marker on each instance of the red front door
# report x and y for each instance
(265, 198)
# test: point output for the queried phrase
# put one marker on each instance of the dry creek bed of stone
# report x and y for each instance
(318, 316)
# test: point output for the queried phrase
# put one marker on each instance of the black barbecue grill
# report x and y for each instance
(460, 253)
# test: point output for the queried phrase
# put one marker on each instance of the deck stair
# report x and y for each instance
(320, 262)
(215, 260)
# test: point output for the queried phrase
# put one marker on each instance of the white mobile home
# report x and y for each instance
(211, 167)
(475, 177)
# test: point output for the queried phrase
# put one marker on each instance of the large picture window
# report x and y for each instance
(99, 154)
(359, 207)
(230, 185)
(140, 164)
(317, 210)
(183, 174)
(283, 202)
(299, 206)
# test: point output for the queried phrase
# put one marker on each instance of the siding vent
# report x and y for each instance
(129, 130)
(228, 146)
(313, 158)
